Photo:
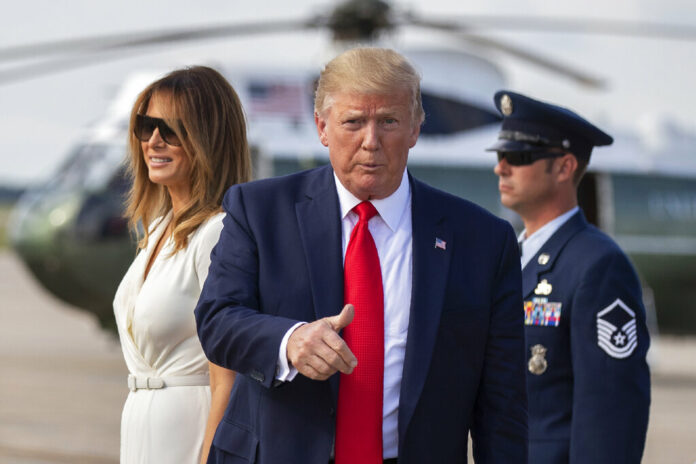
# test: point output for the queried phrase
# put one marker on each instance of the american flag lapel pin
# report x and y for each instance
(441, 244)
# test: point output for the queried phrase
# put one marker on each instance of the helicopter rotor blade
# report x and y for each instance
(67, 54)
(50, 66)
(636, 29)
(71, 54)
(550, 64)
(142, 39)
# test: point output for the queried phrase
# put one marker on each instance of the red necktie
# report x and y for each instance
(359, 415)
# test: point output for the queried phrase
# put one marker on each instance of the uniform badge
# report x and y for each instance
(537, 363)
(506, 105)
(616, 330)
(543, 259)
(543, 288)
(541, 312)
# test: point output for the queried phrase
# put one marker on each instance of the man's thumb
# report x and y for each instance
(343, 319)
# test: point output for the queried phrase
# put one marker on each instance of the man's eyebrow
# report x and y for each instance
(379, 112)
(352, 114)
(388, 111)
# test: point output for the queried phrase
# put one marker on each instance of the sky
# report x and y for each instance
(651, 83)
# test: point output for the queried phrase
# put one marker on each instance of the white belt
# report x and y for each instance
(155, 383)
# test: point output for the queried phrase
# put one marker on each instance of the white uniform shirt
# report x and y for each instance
(532, 244)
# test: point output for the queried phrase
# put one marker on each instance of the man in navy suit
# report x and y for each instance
(450, 354)
(588, 381)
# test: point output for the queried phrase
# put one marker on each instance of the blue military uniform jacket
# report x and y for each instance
(588, 381)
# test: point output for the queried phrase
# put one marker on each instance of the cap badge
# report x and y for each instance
(543, 259)
(543, 288)
(566, 143)
(506, 105)
(537, 363)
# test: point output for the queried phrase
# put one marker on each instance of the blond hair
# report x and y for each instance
(372, 71)
(208, 118)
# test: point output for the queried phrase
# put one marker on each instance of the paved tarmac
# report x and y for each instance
(62, 383)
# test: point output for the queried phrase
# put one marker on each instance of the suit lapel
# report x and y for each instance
(430, 269)
(552, 248)
(319, 222)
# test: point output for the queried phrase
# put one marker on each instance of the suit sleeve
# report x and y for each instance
(611, 394)
(499, 432)
(232, 328)
(209, 236)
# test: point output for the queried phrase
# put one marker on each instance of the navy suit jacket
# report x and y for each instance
(279, 261)
(590, 404)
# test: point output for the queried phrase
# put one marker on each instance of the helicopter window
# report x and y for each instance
(90, 166)
(103, 165)
(68, 173)
(446, 116)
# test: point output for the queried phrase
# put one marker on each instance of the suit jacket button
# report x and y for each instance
(332, 411)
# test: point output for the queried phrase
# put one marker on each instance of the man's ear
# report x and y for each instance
(413, 138)
(321, 129)
(567, 165)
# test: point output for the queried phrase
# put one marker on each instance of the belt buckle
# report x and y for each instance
(151, 383)
(154, 383)
(131, 383)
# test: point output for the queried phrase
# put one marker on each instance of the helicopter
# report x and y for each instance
(71, 234)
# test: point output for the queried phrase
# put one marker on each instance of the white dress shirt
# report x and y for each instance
(532, 244)
(392, 232)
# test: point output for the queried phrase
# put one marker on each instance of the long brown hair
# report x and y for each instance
(212, 129)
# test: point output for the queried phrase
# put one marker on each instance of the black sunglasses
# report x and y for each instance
(523, 158)
(145, 126)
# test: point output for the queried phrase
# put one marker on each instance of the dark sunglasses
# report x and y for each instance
(145, 126)
(523, 158)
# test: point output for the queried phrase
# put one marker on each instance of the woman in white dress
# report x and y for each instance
(187, 146)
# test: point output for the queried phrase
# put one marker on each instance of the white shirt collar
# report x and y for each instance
(532, 244)
(390, 209)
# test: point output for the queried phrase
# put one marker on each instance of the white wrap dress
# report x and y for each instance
(158, 336)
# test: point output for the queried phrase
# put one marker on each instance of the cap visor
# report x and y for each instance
(512, 145)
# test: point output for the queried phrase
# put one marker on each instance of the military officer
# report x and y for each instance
(586, 337)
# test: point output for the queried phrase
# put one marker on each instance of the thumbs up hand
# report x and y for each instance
(341, 320)
(317, 351)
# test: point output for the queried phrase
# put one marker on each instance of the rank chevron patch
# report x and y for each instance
(616, 330)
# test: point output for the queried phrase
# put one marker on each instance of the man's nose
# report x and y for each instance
(371, 136)
(502, 168)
